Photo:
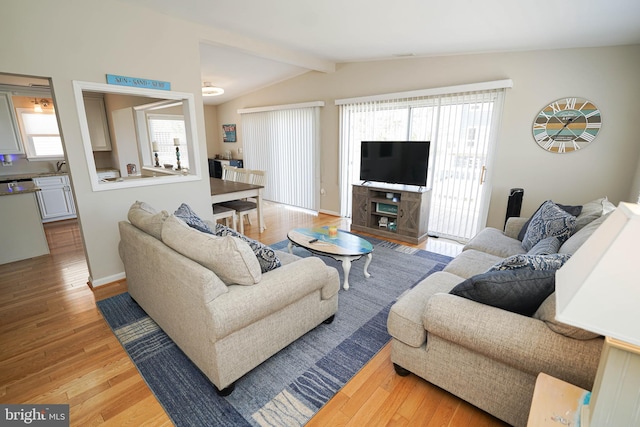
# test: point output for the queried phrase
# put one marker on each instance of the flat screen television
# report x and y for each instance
(394, 162)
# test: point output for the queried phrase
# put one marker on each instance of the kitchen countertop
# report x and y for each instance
(10, 189)
(6, 178)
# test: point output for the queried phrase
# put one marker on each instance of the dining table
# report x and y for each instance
(225, 191)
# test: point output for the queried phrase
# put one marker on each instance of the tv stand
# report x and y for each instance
(404, 216)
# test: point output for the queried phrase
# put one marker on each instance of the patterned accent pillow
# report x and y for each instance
(549, 220)
(531, 262)
(573, 210)
(547, 246)
(185, 213)
(267, 257)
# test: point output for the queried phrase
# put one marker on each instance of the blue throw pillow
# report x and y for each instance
(573, 210)
(531, 262)
(267, 257)
(550, 220)
(519, 291)
(547, 246)
(185, 213)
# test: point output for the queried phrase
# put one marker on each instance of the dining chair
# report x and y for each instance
(230, 173)
(226, 213)
(244, 207)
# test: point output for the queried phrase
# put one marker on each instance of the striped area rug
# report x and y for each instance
(290, 387)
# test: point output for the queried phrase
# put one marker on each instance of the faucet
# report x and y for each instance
(59, 165)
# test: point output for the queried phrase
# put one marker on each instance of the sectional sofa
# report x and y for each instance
(486, 355)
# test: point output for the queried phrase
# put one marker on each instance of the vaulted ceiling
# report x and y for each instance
(255, 43)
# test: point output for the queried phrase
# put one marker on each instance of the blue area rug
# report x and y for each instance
(290, 387)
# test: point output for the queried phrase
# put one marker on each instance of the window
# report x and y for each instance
(40, 134)
(165, 130)
(284, 141)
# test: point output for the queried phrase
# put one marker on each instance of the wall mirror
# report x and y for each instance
(137, 137)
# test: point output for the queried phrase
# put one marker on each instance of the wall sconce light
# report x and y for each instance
(209, 90)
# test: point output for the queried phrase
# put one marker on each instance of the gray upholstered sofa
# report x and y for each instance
(225, 328)
(488, 356)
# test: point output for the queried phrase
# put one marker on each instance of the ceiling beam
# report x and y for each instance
(224, 38)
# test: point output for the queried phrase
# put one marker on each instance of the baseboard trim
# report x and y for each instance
(324, 211)
(95, 283)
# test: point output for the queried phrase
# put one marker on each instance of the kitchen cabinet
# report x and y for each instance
(9, 136)
(97, 122)
(55, 198)
(215, 166)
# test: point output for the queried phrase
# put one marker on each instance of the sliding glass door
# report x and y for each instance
(462, 129)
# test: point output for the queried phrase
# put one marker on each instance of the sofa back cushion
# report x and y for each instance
(592, 211)
(144, 217)
(575, 241)
(547, 313)
(231, 259)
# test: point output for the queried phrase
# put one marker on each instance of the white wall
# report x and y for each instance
(84, 40)
(606, 76)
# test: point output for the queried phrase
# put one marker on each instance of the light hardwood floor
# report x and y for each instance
(55, 347)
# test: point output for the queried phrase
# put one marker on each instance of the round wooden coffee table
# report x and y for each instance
(344, 247)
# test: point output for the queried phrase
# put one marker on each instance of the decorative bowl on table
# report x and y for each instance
(168, 166)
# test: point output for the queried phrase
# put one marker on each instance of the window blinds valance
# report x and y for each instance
(425, 93)
(281, 107)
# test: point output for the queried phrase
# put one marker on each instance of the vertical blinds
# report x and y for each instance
(284, 141)
(462, 129)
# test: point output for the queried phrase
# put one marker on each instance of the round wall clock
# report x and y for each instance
(567, 124)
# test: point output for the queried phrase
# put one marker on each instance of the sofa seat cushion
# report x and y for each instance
(231, 259)
(144, 217)
(520, 291)
(495, 242)
(405, 317)
(243, 306)
(471, 262)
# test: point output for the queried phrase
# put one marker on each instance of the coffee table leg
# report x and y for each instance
(366, 266)
(290, 246)
(346, 266)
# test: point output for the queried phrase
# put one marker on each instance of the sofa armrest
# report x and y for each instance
(515, 340)
(513, 226)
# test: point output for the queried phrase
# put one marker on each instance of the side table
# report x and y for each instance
(556, 403)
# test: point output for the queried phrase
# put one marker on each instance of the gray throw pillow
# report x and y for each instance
(266, 256)
(519, 291)
(531, 262)
(549, 220)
